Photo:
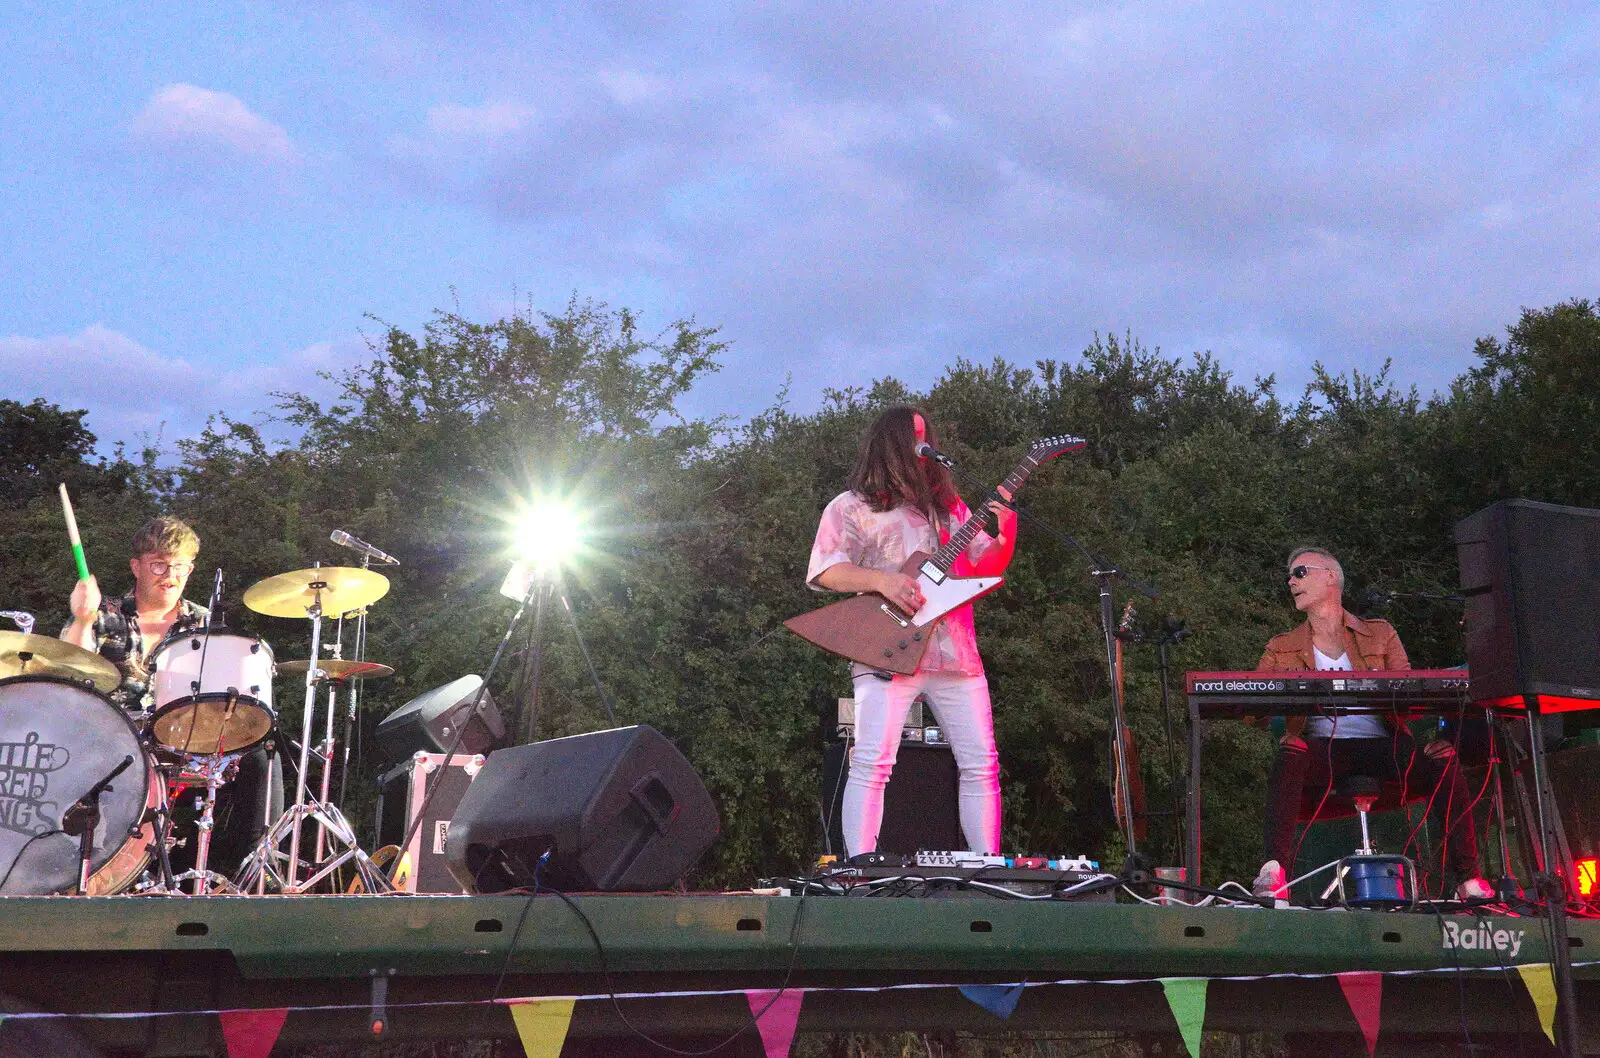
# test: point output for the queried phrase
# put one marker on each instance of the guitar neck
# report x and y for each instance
(946, 556)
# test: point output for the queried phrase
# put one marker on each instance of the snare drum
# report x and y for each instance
(213, 693)
(57, 739)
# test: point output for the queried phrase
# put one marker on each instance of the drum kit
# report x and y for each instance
(87, 789)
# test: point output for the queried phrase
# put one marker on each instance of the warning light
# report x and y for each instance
(1587, 872)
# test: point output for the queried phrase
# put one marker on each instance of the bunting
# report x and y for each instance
(999, 1000)
(1187, 998)
(251, 1033)
(776, 1013)
(1539, 979)
(1363, 990)
(542, 1025)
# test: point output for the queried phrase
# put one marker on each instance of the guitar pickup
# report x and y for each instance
(892, 612)
(932, 572)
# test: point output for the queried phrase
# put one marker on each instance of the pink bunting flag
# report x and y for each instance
(776, 1018)
(251, 1033)
(1363, 990)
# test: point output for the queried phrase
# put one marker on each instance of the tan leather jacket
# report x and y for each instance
(1371, 644)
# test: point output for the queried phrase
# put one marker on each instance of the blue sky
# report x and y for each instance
(200, 205)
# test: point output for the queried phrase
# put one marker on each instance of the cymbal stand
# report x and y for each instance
(331, 821)
(353, 692)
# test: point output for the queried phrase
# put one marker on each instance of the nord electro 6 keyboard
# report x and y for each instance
(1306, 692)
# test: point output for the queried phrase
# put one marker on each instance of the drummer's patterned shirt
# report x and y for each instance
(118, 640)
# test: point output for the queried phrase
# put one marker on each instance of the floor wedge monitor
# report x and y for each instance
(619, 810)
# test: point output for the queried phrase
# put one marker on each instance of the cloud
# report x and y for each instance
(185, 117)
(134, 394)
(490, 122)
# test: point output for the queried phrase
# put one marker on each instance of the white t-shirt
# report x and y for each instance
(1366, 725)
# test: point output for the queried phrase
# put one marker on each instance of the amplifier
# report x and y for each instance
(400, 794)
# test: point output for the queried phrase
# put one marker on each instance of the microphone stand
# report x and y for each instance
(83, 817)
(1105, 575)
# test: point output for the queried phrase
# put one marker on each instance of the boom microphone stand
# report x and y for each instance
(1105, 575)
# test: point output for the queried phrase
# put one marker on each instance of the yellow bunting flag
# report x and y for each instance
(1540, 982)
(1187, 998)
(542, 1025)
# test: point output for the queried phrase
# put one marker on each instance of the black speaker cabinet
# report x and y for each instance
(615, 810)
(919, 804)
(1531, 574)
(427, 723)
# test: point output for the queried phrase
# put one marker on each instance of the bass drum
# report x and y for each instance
(57, 739)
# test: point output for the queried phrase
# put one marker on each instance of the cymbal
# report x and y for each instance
(337, 669)
(29, 655)
(343, 590)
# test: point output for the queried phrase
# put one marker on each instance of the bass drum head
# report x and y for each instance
(57, 739)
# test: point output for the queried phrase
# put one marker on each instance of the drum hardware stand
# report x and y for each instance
(353, 694)
(261, 862)
(83, 816)
(213, 769)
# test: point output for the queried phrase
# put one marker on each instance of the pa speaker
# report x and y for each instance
(919, 804)
(612, 810)
(1531, 575)
(429, 721)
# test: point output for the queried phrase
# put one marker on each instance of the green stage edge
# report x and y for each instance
(164, 954)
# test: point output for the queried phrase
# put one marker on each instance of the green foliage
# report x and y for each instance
(1192, 482)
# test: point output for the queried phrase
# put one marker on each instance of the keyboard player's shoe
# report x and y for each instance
(1272, 883)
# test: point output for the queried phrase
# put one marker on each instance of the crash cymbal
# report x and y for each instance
(28, 655)
(341, 589)
(337, 669)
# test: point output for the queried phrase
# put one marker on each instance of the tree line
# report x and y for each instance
(1192, 481)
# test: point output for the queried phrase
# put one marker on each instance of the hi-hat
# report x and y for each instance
(30, 655)
(337, 669)
(340, 589)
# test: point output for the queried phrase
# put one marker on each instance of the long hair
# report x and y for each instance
(888, 473)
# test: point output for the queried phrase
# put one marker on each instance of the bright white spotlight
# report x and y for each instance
(547, 537)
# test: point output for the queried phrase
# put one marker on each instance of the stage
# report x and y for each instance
(687, 962)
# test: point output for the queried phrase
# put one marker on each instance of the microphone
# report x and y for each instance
(1376, 599)
(344, 539)
(926, 449)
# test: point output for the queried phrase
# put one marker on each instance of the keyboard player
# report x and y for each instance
(1314, 751)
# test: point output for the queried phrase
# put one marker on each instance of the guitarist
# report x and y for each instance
(900, 503)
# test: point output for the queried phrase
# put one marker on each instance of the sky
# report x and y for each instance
(201, 204)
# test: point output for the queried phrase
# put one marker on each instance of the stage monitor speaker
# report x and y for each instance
(427, 723)
(618, 810)
(919, 804)
(401, 792)
(1531, 575)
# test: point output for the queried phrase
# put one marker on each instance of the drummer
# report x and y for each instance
(125, 631)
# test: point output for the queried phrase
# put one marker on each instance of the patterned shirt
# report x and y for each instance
(851, 531)
(115, 634)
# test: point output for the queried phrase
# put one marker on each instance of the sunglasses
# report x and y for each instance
(1299, 572)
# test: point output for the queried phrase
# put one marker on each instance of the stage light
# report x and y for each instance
(1586, 876)
(547, 536)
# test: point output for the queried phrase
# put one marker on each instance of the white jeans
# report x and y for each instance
(961, 705)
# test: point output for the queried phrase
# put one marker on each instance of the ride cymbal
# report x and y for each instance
(337, 669)
(340, 589)
(30, 655)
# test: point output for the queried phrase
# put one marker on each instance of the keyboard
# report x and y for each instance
(1311, 692)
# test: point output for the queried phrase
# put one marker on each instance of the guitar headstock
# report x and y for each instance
(1047, 448)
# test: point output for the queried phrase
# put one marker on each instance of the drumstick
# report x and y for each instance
(72, 534)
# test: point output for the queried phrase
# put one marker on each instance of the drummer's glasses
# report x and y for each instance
(178, 569)
(1299, 572)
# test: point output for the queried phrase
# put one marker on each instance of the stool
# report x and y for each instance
(1377, 882)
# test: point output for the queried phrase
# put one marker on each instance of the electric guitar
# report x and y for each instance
(874, 631)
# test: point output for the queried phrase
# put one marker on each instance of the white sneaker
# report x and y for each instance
(1475, 888)
(1272, 883)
